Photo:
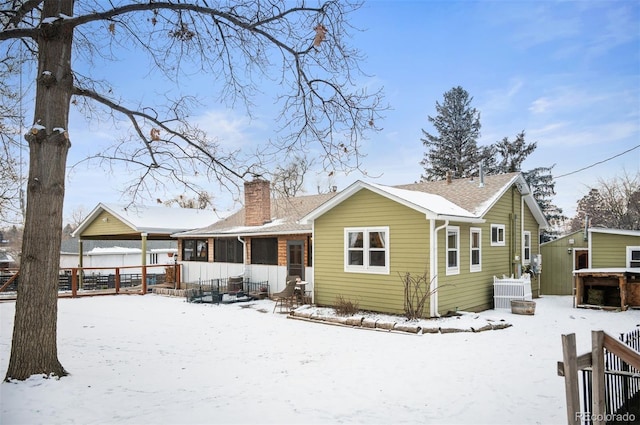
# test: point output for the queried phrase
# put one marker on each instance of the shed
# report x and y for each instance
(561, 257)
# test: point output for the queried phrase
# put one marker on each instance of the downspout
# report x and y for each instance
(433, 266)
(80, 260)
(244, 255)
(522, 232)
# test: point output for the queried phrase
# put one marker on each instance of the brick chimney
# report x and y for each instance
(257, 202)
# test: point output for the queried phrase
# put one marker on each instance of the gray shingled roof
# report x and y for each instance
(467, 193)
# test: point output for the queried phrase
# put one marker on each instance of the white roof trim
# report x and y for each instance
(615, 231)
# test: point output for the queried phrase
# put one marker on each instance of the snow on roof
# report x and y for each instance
(146, 218)
(153, 219)
(428, 202)
(615, 231)
(114, 250)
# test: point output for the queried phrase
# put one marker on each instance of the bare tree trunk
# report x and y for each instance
(34, 345)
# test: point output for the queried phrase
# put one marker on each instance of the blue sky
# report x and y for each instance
(568, 73)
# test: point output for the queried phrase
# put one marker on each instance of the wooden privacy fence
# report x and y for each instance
(609, 377)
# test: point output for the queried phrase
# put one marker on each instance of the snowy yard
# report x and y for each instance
(151, 359)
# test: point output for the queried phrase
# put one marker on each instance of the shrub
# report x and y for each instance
(345, 307)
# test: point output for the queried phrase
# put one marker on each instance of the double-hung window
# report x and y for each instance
(526, 247)
(497, 235)
(366, 250)
(475, 247)
(453, 250)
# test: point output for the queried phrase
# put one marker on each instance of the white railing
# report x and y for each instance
(506, 289)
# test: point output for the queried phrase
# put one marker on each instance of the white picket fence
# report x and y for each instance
(506, 289)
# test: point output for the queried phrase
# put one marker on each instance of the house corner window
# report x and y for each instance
(453, 250)
(195, 250)
(366, 250)
(633, 257)
(475, 245)
(526, 247)
(497, 235)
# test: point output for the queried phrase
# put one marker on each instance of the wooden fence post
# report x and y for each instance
(569, 358)
(598, 401)
(74, 283)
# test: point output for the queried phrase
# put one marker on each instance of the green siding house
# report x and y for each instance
(459, 234)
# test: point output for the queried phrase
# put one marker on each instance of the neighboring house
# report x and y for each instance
(6, 260)
(263, 241)
(560, 258)
(458, 234)
(598, 248)
(136, 223)
(116, 253)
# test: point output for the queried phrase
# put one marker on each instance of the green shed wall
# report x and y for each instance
(558, 263)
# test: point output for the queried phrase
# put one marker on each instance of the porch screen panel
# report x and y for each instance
(264, 251)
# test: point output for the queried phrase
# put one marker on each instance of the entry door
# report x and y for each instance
(581, 260)
(295, 258)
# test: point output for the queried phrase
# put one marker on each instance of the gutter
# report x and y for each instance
(433, 265)
(244, 255)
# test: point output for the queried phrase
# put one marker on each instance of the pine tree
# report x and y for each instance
(454, 147)
(513, 153)
(541, 183)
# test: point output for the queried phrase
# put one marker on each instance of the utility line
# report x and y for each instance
(597, 163)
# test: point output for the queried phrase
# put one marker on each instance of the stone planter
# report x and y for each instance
(525, 307)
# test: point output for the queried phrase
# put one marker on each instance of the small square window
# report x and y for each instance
(633, 256)
(497, 235)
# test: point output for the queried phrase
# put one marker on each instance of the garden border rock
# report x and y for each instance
(369, 323)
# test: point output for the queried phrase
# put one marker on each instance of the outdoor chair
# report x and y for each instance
(287, 297)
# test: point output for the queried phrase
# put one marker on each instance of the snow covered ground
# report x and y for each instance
(151, 359)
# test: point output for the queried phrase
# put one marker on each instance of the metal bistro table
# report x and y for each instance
(301, 293)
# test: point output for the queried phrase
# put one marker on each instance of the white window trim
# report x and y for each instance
(456, 269)
(504, 235)
(366, 268)
(475, 267)
(629, 250)
(526, 260)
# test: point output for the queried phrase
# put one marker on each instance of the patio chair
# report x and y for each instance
(287, 297)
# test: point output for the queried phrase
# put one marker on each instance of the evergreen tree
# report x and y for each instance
(542, 185)
(454, 146)
(512, 154)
